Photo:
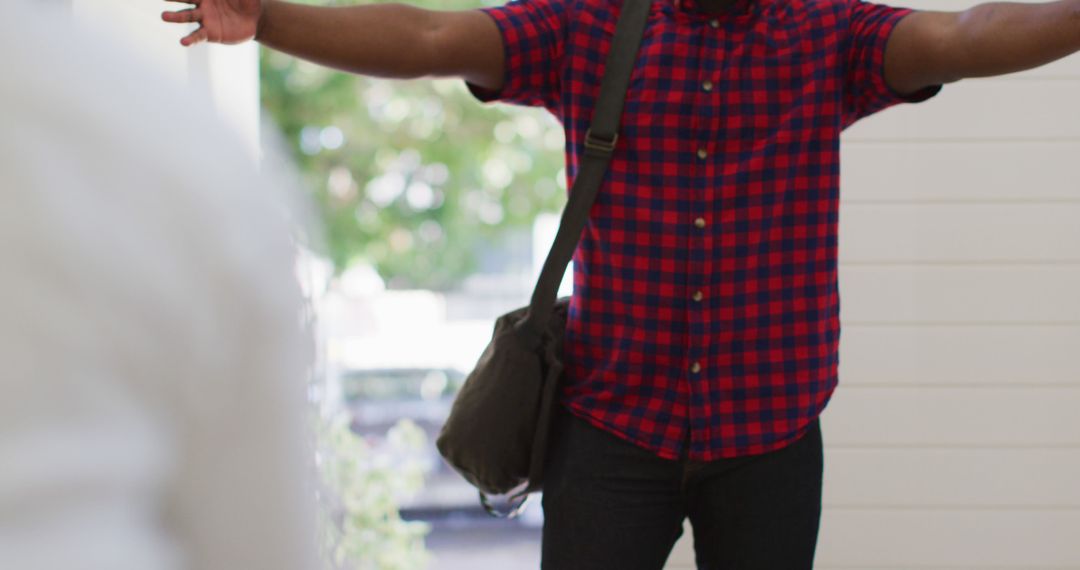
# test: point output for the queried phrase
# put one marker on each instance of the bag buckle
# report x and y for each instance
(599, 145)
(512, 513)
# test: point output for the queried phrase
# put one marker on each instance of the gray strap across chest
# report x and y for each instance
(600, 142)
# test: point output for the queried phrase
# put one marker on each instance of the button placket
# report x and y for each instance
(699, 223)
(707, 83)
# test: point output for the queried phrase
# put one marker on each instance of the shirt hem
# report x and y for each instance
(705, 457)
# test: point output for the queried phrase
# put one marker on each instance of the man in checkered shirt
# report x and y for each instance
(703, 332)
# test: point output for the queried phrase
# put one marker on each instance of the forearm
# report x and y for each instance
(383, 40)
(999, 38)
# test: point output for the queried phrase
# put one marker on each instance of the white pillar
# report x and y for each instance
(229, 73)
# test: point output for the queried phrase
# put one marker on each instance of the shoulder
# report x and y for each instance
(812, 9)
(815, 17)
(600, 13)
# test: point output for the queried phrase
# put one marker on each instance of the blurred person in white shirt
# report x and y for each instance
(153, 358)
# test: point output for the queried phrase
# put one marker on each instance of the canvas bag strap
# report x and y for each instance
(600, 141)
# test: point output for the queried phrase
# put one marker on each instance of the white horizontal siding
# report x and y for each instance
(936, 478)
(927, 539)
(959, 355)
(960, 294)
(935, 172)
(911, 539)
(931, 416)
(996, 109)
(983, 538)
(1030, 232)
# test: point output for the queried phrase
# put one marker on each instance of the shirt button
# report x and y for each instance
(700, 222)
(698, 296)
(702, 154)
(707, 86)
(714, 23)
(696, 367)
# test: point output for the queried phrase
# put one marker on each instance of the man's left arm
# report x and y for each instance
(931, 48)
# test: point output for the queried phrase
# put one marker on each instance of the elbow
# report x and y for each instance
(430, 60)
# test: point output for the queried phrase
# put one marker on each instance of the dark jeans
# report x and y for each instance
(609, 504)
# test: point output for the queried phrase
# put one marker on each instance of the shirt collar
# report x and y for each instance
(693, 6)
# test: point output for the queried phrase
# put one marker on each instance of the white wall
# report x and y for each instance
(229, 73)
(953, 440)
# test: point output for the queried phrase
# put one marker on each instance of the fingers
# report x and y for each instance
(183, 16)
(195, 37)
(193, 15)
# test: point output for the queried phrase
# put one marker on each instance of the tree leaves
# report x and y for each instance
(411, 176)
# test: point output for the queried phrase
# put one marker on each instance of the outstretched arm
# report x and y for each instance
(931, 48)
(383, 40)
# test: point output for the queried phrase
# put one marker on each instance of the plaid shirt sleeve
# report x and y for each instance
(532, 36)
(865, 90)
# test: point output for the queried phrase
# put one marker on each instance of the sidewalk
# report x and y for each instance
(495, 544)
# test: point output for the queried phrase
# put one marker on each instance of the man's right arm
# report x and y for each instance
(382, 40)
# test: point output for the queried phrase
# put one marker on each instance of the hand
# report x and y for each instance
(220, 21)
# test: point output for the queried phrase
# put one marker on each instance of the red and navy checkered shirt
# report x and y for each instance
(705, 310)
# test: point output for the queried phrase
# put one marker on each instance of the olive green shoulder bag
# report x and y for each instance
(497, 433)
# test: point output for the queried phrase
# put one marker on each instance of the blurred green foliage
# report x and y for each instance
(410, 176)
(361, 527)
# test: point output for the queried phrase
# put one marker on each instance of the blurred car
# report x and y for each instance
(378, 398)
